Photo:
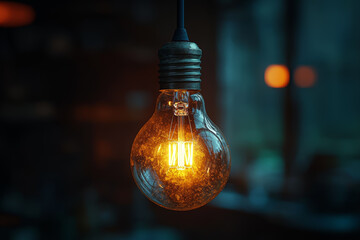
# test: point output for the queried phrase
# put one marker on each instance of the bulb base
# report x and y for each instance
(179, 66)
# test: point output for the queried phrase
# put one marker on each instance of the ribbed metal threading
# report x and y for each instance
(179, 66)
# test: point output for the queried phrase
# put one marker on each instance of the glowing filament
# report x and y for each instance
(180, 155)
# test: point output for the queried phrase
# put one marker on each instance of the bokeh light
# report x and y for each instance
(14, 14)
(304, 76)
(277, 76)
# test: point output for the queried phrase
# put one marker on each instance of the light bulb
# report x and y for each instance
(179, 159)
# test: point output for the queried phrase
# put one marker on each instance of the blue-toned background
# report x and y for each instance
(79, 78)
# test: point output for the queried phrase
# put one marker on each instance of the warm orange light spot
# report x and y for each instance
(277, 76)
(304, 76)
(14, 14)
(181, 155)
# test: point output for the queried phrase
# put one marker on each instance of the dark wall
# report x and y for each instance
(79, 81)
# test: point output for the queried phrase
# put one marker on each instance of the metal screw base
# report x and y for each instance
(179, 66)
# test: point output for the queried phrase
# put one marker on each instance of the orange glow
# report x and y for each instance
(14, 14)
(178, 159)
(304, 76)
(181, 155)
(277, 76)
(181, 168)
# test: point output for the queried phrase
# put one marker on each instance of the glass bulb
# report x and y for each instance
(179, 159)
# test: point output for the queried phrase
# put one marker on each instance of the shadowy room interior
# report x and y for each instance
(280, 78)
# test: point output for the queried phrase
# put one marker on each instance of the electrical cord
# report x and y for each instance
(180, 32)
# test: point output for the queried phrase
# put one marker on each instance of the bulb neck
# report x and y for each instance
(179, 66)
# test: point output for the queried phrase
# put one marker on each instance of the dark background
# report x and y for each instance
(79, 80)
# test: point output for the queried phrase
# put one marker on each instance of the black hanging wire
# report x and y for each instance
(180, 14)
(180, 32)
